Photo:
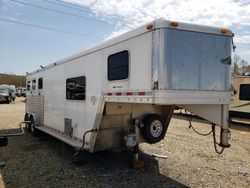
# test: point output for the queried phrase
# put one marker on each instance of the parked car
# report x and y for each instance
(5, 95)
(21, 92)
(18, 92)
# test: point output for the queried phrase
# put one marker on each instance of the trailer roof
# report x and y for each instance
(157, 24)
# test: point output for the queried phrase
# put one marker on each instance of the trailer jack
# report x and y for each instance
(136, 163)
(225, 135)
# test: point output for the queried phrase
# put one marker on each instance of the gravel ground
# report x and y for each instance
(191, 160)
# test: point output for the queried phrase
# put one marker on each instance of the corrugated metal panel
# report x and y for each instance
(193, 61)
(35, 104)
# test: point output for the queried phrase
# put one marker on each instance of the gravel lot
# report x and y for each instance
(191, 160)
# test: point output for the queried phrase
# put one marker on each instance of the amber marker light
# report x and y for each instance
(224, 30)
(174, 24)
(150, 26)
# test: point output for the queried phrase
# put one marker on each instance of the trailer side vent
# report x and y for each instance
(68, 126)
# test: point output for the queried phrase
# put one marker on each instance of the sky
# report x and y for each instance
(40, 32)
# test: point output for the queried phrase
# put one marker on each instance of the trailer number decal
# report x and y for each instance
(93, 99)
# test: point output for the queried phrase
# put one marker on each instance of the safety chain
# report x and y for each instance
(191, 126)
(206, 134)
(215, 142)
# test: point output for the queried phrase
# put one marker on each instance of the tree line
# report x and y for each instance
(17, 80)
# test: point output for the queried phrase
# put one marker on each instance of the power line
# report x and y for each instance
(57, 11)
(68, 6)
(50, 28)
(70, 14)
(62, 4)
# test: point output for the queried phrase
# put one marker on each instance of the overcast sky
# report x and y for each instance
(55, 29)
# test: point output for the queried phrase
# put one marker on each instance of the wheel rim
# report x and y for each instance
(156, 128)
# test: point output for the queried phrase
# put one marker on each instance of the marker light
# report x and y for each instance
(149, 26)
(224, 30)
(174, 24)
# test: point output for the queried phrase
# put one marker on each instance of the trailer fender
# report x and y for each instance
(34, 121)
(35, 118)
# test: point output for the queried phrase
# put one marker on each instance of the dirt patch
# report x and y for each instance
(191, 160)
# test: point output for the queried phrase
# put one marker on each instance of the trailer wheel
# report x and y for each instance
(27, 125)
(153, 130)
(33, 129)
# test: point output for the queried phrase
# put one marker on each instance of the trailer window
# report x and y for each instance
(245, 92)
(118, 66)
(28, 85)
(75, 88)
(33, 84)
(40, 83)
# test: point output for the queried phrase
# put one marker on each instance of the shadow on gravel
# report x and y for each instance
(47, 162)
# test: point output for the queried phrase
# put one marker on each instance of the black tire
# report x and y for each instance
(154, 129)
(27, 125)
(33, 129)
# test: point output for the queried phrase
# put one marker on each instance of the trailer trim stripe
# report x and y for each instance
(129, 93)
(62, 133)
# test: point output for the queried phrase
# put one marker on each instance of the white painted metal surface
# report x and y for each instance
(137, 93)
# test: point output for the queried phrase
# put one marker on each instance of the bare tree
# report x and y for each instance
(243, 66)
(239, 66)
(235, 68)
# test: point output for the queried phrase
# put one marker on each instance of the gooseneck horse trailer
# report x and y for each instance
(124, 91)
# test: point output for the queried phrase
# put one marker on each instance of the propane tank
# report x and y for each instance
(130, 140)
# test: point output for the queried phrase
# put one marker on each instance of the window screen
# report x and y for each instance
(75, 88)
(33, 84)
(40, 83)
(118, 66)
(245, 92)
(28, 85)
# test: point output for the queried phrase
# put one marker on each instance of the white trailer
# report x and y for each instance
(123, 92)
